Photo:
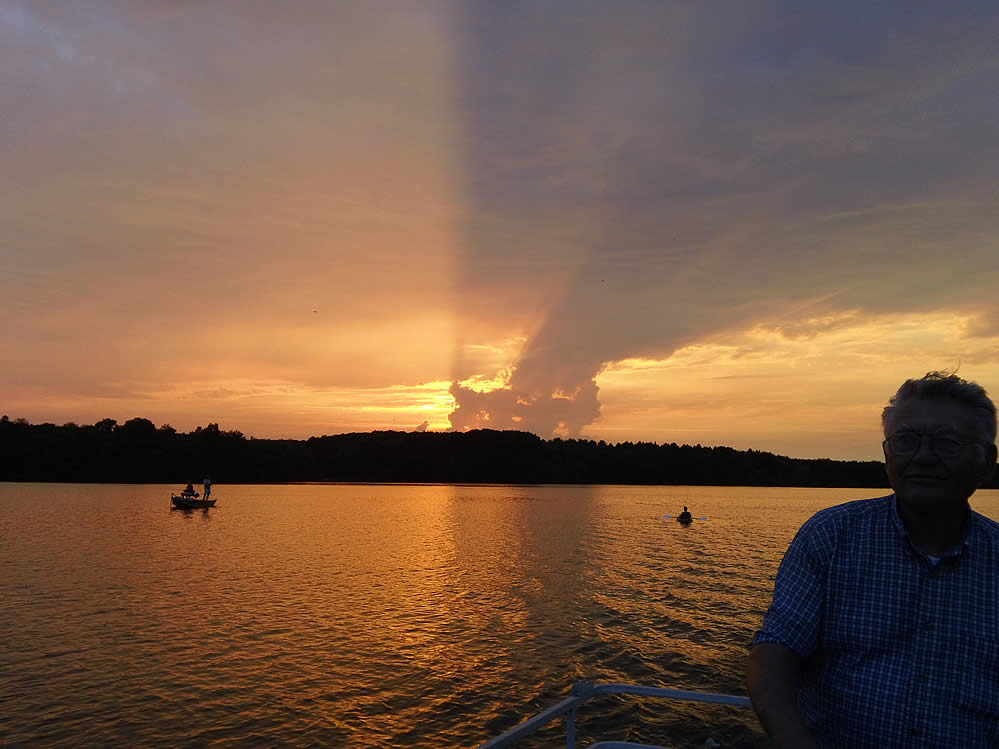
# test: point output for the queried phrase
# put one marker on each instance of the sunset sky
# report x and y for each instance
(738, 223)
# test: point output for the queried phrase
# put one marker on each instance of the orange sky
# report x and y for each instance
(629, 223)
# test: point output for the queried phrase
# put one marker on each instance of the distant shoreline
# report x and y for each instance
(218, 486)
(138, 452)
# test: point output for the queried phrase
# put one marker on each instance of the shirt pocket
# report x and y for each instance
(854, 626)
(868, 611)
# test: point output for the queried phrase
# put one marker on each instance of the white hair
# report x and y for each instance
(936, 385)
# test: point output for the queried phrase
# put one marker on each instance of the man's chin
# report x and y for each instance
(920, 498)
(921, 487)
(926, 494)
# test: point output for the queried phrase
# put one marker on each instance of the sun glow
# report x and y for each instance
(483, 384)
(814, 391)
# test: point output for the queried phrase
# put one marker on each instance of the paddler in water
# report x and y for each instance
(684, 517)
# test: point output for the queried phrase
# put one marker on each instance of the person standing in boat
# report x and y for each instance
(884, 625)
(208, 487)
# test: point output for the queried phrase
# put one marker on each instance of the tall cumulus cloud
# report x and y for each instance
(639, 177)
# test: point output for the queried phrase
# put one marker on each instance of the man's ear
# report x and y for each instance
(990, 465)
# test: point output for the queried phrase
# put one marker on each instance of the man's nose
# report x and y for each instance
(925, 452)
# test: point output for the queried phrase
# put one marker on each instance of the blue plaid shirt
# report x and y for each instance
(897, 651)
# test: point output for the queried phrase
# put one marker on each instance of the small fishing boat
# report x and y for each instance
(584, 690)
(181, 502)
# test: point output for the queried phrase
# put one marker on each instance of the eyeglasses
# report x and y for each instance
(942, 445)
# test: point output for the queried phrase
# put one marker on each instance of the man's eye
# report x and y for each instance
(947, 445)
(906, 441)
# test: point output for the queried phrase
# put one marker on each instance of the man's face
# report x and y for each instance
(923, 477)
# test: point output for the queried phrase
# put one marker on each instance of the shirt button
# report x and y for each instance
(913, 731)
(927, 625)
(921, 678)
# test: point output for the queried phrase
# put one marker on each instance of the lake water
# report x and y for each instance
(381, 615)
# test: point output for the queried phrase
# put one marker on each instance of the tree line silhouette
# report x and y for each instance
(140, 452)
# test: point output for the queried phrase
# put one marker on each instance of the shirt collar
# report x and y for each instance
(903, 532)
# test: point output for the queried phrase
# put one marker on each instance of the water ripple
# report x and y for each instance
(375, 616)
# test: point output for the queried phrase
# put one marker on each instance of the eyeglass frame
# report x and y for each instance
(886, 444)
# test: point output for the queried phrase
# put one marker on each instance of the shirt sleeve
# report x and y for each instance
(795, 614)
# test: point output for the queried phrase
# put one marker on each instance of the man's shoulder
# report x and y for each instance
(858, 509)
(986, 525)
(831, 520)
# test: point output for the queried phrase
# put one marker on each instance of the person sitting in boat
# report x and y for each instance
(189, 491)
(684, 517)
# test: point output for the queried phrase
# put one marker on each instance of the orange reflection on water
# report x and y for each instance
(379, 616)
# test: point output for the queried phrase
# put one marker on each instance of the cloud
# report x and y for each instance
(984, 323)
(541, 411)
(795, 179)
(816, 395)
(291, 218)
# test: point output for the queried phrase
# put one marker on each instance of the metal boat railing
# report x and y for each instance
(584, 690)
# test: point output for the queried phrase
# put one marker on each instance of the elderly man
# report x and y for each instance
(884, 625)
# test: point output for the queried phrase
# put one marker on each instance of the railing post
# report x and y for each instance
(582, 689)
